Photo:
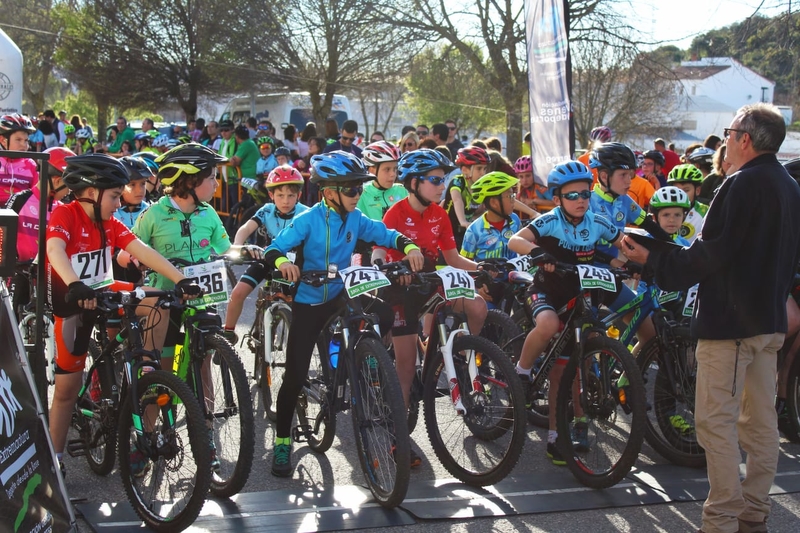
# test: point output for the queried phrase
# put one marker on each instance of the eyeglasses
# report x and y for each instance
(351, 192)
(434, 180)
(422, 133)
(572, 196)
(347, 139)
(265, 146)
(263, 127)
(410, 144)
(224, 129)
(511, 195)
(451, 128)
(727, 132)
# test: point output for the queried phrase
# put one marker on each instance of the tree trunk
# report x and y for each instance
(513, 105)
(102, 117)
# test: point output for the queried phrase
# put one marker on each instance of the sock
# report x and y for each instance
(523, 371)
(552, 436)
(285, 440)
(230, 329)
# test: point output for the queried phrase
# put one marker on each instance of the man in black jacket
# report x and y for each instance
(744, 261)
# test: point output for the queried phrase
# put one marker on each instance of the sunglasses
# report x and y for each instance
(422, 133)
(265, 146)
(351, 192)
(224, 129)
(451, 128)
(727, 132)
(263, 127)
(572, 196)
(347, 139)
(434, 180)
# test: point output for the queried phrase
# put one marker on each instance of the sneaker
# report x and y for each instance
(231, 336)
(139, 463)
(213, 447)
(580, 436)
(554, 455)
(416, 460)
(748, 526)
(282, 459)
(680, 423)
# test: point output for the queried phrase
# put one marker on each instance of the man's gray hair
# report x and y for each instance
(765, 124)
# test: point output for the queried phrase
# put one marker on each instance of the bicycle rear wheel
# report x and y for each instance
(379, 423)
(270, 377)
(230, 407)
(613, 402)
(482, 446)
(170, 480)
(313, 404)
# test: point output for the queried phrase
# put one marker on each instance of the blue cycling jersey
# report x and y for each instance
(620, 211)
(484, 241)
(269, 217)
(570, 243)
(128, 215)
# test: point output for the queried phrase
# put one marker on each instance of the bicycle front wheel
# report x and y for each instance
(230, 408)
(600, 435)
(166, 471)
(271, 375)
(314, 409)
(379, 423)
(481, 446)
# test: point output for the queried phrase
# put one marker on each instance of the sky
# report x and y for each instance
(679, 21)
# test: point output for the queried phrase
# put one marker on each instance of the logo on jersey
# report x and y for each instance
(409, 222)
(507, 234)
(620, 216)
(349, 236)
(584, 233)
(490, 241)
(538, 223)
(204, 243)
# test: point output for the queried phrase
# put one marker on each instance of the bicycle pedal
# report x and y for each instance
(302, 433)
(76, 448)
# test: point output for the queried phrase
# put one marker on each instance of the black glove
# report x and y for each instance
(378, 262)
(634, 268)
(188, 287)
(79, 291)
(540, 256)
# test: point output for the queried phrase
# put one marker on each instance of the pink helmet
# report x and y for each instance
(380, 152)
(523, 164)
(283, 175)
(601, 133)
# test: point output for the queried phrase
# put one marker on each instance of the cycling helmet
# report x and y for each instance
(58, 155)
(94, 170)
(83, 133)
(137, 168)
(141, 136)
(601, 133)
(149, 158)
(69, 128)
(266, 140)
(337, 167)
(702, 155)
(283, 175)
(15, 122)
(420, 162)
(656, 156)
(569, 172)
(685, 174)
(669, 196)
(471, 155)
(160, 141)
(153, 133)
(380, 152)
(282, 150)
(188, 159)
(183, 139)
(613, 156)
(639, 158)
(523, 164)
(171, 143)
(491, 185)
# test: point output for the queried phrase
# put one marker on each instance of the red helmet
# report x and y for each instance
(472, 155)
(15, 122)
(601, 133)
(283, 175)
(380, 152)
(57, 157)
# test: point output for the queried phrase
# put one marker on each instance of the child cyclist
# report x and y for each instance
(423, 174)
(325, 234)
(133, 196)
(379, 195)
(531, 193)
(81, 236)
(569, 233)
(458, 202)
(689, 179)
(15, 174)
(669, 206)
(283, 185)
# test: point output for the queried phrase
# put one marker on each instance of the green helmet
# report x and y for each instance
(153, 133)
(685, 174)
(69, 128)
(265, 140)
(670, 196)
(492, 184)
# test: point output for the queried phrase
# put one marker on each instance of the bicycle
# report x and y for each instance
(26, 314)
(363, 368)
(143, 412)
(473, 402)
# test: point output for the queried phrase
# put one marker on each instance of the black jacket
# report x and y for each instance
(745, 257)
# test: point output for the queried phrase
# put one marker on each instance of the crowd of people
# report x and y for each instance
(433, 201)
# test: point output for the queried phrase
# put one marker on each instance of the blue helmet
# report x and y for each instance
(141, 136)
(569, 172)
(149, 159)
(338, 166)
(420, 162)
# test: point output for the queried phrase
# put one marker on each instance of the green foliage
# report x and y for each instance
(81, 103)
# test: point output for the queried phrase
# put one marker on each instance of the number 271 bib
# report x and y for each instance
(94, 268)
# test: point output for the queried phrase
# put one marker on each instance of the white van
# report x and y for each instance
(282, 109)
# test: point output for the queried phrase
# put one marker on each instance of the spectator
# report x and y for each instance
(246, 155)
(252, 127)
(452, 137)
(347, 139)
(409, 142)
(493, 143)
(670, 158)
(62, 123)
(126, 133)
(227, 148)
(212, 136)
(377, 136)
(177, 131)
(302, 143)
(331, 130)
(440, 134)
(713, 142)
(196, 129)
(75, 120)
(50, 116)
(427, 143)
(744, 261)
(689, 149)
(316, 145)
(422, 132)
(713, 181)
(147, 125)
(49, 137)
(407, 129)
(290, 140)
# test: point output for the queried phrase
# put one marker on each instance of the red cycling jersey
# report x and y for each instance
(430, 230)
(71, 224)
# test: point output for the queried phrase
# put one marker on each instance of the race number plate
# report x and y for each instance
(667, 296)
(592, 277)
(94, 268)
(213, 279)
(456, 283)
(523, 263)
(691, 299)
(358, 280)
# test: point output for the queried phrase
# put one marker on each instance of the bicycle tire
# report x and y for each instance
(313, 404)
(186, 465)
(271, 377)
(233, 418)
(593, 468)
(100, 436)
(482, 446)
(379, 423)
(791, 427)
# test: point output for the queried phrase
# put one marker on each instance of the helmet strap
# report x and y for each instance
(607, 185)
(194, 197)
(337, 206)
(376, 182)
(423, 201)
(501, 213)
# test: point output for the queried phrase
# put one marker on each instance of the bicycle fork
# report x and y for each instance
(450, 370)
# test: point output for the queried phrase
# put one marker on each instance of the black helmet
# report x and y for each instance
(137, 168)
(187, 159)
(613, 156)
(656, 156)
(94, 170)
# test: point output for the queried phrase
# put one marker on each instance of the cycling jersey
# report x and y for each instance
(323, 238)
(128, 214)
(375, 201)
(641, 191)
(71, 143)
(569, 243)
(484, 241)
(90, 262)
(26, 205)
(619, 211)
(430, 230)
(268, 218)
(265, 165)
(16, 175)
(459, 185)
(693, 224)
(175, 234)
